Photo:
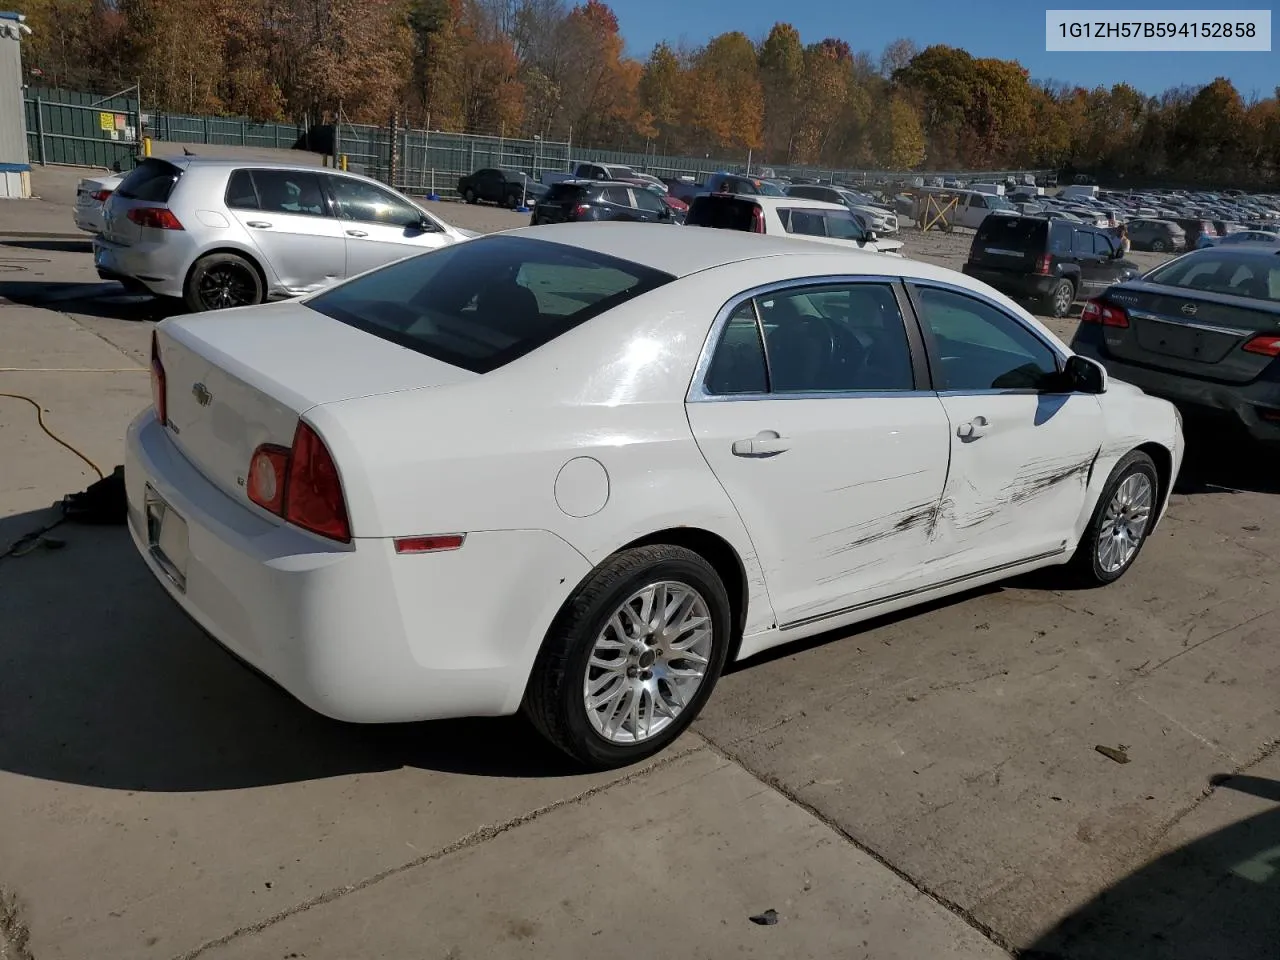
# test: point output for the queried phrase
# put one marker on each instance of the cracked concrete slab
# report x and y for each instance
(673, 862)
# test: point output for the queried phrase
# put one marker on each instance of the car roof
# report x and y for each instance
(681, 251)
(795, 203)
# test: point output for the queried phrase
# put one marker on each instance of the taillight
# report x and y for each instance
(268, 477)
(158, 218)
(581, 208)
(301, 485)
(1266, 344)
(1099, 311)
(101, 195)
(757, 219)
(159, 396)
(1044, 265)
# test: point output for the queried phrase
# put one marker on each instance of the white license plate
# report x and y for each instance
(167, 539)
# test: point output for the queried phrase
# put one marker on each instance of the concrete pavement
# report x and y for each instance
(927, 784)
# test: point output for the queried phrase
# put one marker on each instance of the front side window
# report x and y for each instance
(482, 304)
(367, 203)
(981, 347)
(835, 338)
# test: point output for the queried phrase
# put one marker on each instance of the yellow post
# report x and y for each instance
(146, 146)
(344, 161)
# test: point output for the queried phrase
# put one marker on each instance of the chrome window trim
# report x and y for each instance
(697, 392)
(1175, 322)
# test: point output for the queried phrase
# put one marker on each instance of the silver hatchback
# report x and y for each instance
(228, 233)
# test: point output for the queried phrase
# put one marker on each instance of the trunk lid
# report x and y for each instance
(236, 379)
(1191, 332)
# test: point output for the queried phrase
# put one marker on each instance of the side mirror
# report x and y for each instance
(872, 236)
(1083, 375)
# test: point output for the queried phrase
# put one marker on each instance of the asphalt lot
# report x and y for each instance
(925, 785)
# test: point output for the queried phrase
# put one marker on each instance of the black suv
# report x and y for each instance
(573, 200)
(1055, 262)
(507, 188)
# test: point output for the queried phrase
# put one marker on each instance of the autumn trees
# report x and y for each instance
(559, 69)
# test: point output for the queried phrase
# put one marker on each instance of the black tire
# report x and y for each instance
(1085, 566)
(554, 698)
(469, 195)
(1157, 246)
(1059, 300)
(513, 201)
(220, 281)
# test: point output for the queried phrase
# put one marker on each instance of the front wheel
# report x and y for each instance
(222, 280)
(1157, 246)
(1120, 523)
(469, 195)
(632, 657)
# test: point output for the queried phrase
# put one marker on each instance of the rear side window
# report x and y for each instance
(618, 195)
(563, 192)
(722, 212)
(482, 304)
(290, 191)
(151, 180)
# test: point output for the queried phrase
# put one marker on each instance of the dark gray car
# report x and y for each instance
(1159, 236)
(1202, 331)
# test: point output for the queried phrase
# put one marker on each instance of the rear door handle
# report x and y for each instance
(259, 224)
(356, 233)
(972, 430)
(766, 443)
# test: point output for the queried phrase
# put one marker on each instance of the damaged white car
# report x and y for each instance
(576, 469)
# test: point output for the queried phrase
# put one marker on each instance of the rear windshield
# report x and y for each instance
(724, 213)
(1213, 271)
(565, 191)
(152, 179)
(484, 303)
(1016, 232)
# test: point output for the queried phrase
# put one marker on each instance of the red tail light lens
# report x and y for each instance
(1044, 265)
(301, 485)
(158, 218)
(1099, 311)
(159, 395)
(757, 219)
(436, 544)
(581, 208)
(101, 195)
(269, 477)
(1265, 344)
(313, 494)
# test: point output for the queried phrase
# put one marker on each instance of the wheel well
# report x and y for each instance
(1163, 460)
(724, 560)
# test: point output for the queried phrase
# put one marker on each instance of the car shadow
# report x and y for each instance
(104, 682)
(1221, 460)
(1218, 896)
(94, 298)
(54, 246)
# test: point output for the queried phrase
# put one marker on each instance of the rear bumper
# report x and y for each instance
(1030, 285)
(89, 219)
(160, 267)
(354, 631)
(1243, 403)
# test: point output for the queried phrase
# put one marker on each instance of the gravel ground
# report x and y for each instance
(945, 249)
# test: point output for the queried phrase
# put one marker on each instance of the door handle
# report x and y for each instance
(975, 428)
(356, 233)
(766, 443)
(259, 224)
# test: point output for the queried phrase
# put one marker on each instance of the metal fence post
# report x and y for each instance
(40, 130)
(206, 131)
(244, 124)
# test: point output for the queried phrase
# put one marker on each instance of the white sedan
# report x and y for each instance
(91, 194)
(576, 469)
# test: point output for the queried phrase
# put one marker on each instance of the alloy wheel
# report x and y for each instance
(226, 285)
(648, 662)
(1125, 522)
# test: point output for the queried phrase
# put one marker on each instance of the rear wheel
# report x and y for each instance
(1121, 521)
(222, 280)
(1157, 246)
(632, 658)
(1060, 298)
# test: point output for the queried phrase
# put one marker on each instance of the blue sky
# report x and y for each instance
(1010, 29)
